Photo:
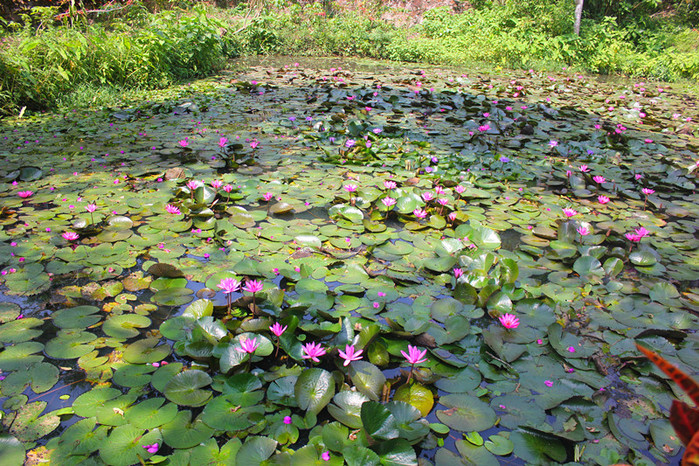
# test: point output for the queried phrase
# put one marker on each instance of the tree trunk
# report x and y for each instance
(578, 16)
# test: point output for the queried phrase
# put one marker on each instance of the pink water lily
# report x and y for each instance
(229, 285)
(350, 188)
(171, 209)
(419, 213)
(427, 196)
(222, 142)
(602, 199)
(584, 168)
(70, 235)
(458, 272)
(570, 212)
(509, 321)
(277, 329)
(268, 196)
(253, 286)
(248, 346)
(584, 231)
(25, 194)
(388, 184)
(388, 201)
(647, 191)
(217, 184)
(91, 207)
(598, 179)
(184, 142)
(151, 448)
(414, 355)
(350, 354)
(312, 351)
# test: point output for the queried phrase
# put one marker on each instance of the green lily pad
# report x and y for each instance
(125, 326)
(466, 413)
(314, 389)
(185, 388)
(125, 445)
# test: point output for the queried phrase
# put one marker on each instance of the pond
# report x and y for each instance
(319, 261)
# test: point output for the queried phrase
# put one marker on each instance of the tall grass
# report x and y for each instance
(42, 65)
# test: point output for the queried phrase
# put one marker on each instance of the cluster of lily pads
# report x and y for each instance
(435, 268)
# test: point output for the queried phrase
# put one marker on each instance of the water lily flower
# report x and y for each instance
(228, 188)
(483, 128)
(598, 179)
(443, 201)
(287, 419)
(548, 383)
(460, 189)
(419, 213)
(452, 216)
(350, 143)
(229, 285)
(350, 188)
(91, 207)
(222, 142)
(584, 231)
(151, 448)
(602, 199)
(427, 197)
(217, 184)
(388, 184)
(248, 346)
(647, 191)
(638, 176)
(325, 456)
(642, 232)
(571, 349)
(192, 185)
(254, 143)
(570, 212)
(184, 142)
(349, 354)
(388, 201)
(584, 168)
(509, 321)
(439, 190)
(458, 272)
(312, 351)
(268, 196)
(414, 355)
(253, 286)
(171, 209)
(376, 130)
(277, 329)
(70, 235)
(633, 237)
(553, 143)
(25, 194)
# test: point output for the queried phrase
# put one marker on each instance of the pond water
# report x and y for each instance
(408, 212)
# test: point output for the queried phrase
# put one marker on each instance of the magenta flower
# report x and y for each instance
(548, 383)
(390, 184)
(602, 199)
(350, 188)
(253, 286)
(312, 351)
(460, 189)
(584, 231)
(277, 329)
(584, 168)
(647, 191)
(192, 185)
(452, 216)
(171, 209)
(483, 128)
(217, 184)
(349, 354)
(254, 143)
(287, 419)
(427, 196)
(229, 285)
(458, 272)
(184, 142)
(325, 456)
(419, 213)
(598, 179)
(571, 349)
(439, 190)
(70, 235)
(350, 143)
(151, 448)
(509, 321)
(633, 237)
(638, 176)
(570, 212)
(642, 232)
(248, 346)
(414, 355)
(91, 207)
(443, 201)
(228, 188)
(553, 143)
(25, 194)
(222, 142)
(388, 201)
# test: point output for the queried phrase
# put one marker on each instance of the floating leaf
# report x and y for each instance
(314, 389)
(185, 388)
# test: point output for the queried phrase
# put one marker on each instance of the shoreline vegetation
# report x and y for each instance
(95, 57)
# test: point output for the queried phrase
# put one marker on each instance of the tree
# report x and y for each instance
(578, 16)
